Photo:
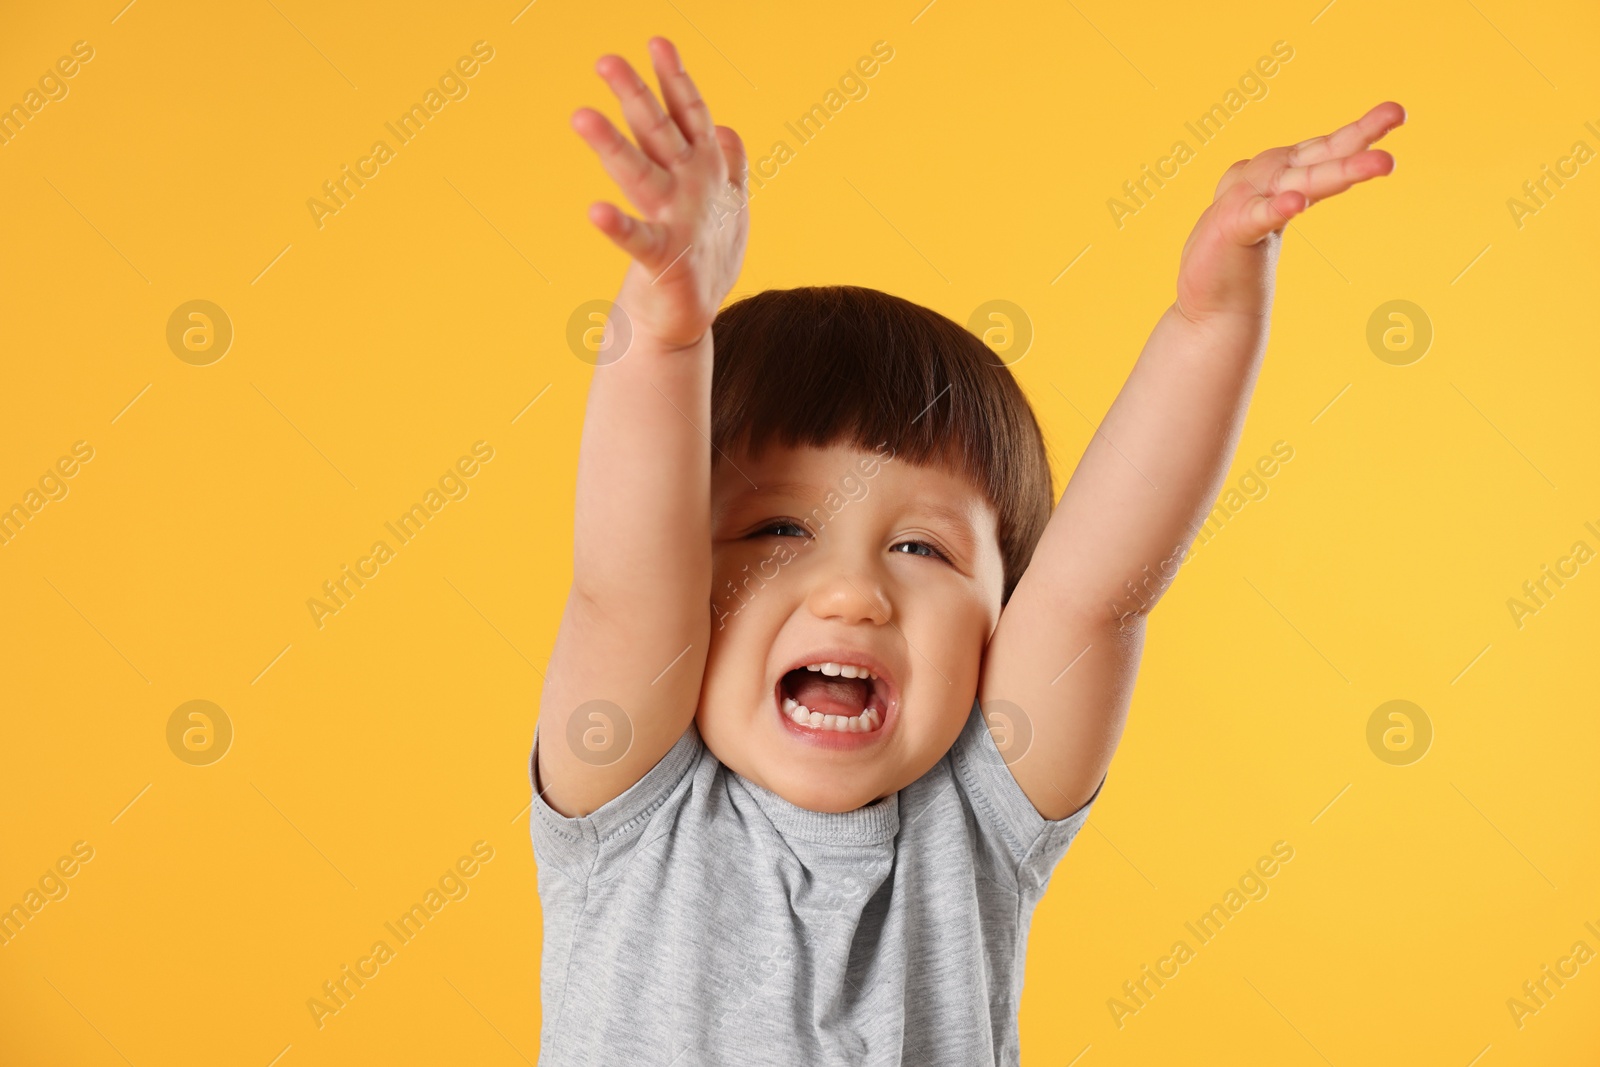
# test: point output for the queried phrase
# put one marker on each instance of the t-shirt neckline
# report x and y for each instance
(870, 824)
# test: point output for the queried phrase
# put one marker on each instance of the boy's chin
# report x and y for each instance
(823, 790)
(818, 793)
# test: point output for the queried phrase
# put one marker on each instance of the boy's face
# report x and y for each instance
(833, 557)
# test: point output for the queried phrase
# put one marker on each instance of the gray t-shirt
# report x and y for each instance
(699, 919)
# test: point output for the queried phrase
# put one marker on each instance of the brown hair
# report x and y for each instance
(825, 365)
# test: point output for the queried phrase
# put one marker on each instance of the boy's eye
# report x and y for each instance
(790, 528)
(932, 552)
(777, 528)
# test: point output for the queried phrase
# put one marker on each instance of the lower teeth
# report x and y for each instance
(866, 722)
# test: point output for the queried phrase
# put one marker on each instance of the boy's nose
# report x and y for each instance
(850, 597)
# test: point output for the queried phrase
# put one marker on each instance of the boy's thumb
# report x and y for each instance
(733, 152)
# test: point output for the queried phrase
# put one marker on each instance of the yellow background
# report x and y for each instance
(371, 753)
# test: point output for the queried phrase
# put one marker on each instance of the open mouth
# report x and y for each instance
(836, 697)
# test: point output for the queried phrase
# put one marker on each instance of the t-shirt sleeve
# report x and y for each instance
(580, 847)
(1032, 843)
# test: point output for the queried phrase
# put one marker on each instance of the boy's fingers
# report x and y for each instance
(645, 183)
(733, 152)
(656, 131)
(633, 236)
(1322, 180)
(1230, 178)
(1262, 215)
(689, 111)
(1348, 139)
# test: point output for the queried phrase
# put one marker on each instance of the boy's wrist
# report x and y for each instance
(649, 346)
(686, 327)
(1220, 326)
(1223, 342)
(666, 347)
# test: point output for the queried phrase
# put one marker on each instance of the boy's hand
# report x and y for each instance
(1221, 269)
(687, 179)
(1149, 476)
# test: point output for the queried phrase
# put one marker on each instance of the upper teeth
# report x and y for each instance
(846, 670)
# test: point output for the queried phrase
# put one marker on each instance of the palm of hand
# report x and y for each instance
(1223, 261)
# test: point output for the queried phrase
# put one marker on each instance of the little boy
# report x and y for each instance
(810, 825)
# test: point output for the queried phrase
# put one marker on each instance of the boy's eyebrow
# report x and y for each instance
(959, 522)
(744, 498)
(779, 489)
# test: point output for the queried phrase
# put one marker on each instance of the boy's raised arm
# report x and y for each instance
(1067, 646)
(624, 677)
